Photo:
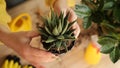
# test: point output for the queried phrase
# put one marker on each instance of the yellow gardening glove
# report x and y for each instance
(11, 62)
(14, 62)
(28, 66)
(4, 17)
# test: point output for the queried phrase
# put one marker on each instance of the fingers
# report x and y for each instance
(32, 34)
(60, 5)
(73, 17)
(44, 56)
(39, 56)
(77, 29)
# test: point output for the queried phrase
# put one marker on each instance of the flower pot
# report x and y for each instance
(54, 51)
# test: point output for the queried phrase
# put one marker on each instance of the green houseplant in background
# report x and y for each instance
(106, 15)
(57, 33)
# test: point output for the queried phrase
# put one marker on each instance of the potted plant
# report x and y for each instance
(106, 15)
(57, 33)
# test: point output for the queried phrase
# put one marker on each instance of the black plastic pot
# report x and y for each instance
(12, 3)
(46, 46)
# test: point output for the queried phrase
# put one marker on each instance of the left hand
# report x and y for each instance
(20, 42)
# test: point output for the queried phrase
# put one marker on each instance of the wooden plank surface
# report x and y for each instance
(73, 59)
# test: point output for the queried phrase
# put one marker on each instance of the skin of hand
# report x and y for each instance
(20, 42)
(61, 5)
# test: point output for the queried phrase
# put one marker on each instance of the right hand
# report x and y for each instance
(61, 5)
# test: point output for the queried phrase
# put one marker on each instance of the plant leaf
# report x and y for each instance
(107, 44)
(87, 22)
(114, 55)
(65, 27)
(50, 39)
(116, 13)
(47, 30)
(70, 24)
(60, 27)
(66, 17)
(60, 37)
(82, 10)
(58, 45)
(107, 41)
(106, 49)
(108, 5)
(70, 32)
(65, 46)
(55, 31)
(42, 32)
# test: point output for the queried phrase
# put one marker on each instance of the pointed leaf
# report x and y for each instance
(61, 16)
(55, 31)
(58, 45)
(60, 37)
(60, 27)
(65, 27)
(70, 32)
(68, 37)
(66, 17)
(43, 32)
(65, 46)
(70, 24)
(47, 30)
(51, 47)
(50, 39)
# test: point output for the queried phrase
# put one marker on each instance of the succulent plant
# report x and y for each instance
(57, 32)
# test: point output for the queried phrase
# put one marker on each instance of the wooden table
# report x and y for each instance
(73, 59)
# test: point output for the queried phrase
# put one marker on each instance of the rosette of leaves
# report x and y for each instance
(106, 14)
(57, 32)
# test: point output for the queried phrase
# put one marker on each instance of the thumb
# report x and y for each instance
(32, 34)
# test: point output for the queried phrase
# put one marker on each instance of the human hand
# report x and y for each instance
(61, 5)
(20, 42)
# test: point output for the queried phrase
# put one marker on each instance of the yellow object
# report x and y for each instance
(49, 2)
(27, 66)
(5, 64)
(92, 54)
(16, 65)
(70, 3)
(21, 23)
(4, 17)
(10, 64)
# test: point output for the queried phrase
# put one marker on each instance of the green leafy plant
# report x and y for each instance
(106, 14)
(57, 33)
